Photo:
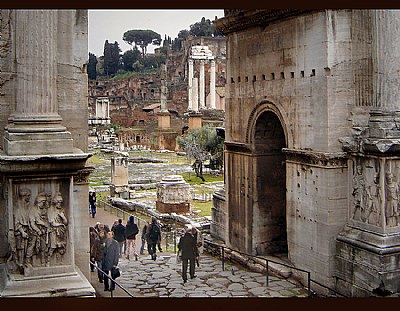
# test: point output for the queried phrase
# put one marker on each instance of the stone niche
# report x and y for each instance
(173, 195)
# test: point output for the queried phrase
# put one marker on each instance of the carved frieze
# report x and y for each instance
(38, 234)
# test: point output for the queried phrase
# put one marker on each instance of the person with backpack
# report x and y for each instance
(131, 230)
(153, 237)
(143, 237)
(119, 235)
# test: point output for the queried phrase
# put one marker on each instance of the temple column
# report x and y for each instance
(202, 104)
(190, 82)
(35, 125)
(195, 97)
(212, 85)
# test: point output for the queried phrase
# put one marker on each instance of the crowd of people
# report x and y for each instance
(107, 246)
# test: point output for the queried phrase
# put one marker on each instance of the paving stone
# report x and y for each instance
(235, 287)
(258, 291)
(251, 284)
(240, 294)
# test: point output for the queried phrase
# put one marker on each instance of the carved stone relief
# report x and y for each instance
(372, 196)
(38, 236)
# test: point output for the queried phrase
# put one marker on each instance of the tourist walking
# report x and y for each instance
(97, 251)
(153, 237)
(143, 237)
(131, 230)
(187, 245)
(92, 239)
(199, 243)
(92, 203)
(110, 259)
(119, 235)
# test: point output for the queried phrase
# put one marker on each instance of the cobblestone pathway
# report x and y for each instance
(162, 278)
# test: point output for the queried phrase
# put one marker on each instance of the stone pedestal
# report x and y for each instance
(119, 177)
(195, 120)
(164, 120)
(173, 195)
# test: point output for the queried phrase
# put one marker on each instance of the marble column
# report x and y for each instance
(190, 88)
(212, 85)
(195, 98)
(35, 125)
(202, 91)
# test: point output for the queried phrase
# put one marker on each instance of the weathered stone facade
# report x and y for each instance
(43, 135)
(312, 141)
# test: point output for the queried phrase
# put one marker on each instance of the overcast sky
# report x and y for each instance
(111, 24)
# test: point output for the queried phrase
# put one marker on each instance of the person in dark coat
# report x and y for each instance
(187, 245)
(143, 237)
(153, 237)
(131, 230)
(110, 259)
(97, 251)
(92, 236)
(119, 235)
(92, 203)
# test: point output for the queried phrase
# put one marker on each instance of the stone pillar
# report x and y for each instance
(163, 96)
(190, 82)
(35, 125)
(212, 84)
(195, 93)
(202, 91)
(41, 171)
(368, 248)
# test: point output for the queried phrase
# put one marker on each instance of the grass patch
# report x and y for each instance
(192, 179)
(205, 207)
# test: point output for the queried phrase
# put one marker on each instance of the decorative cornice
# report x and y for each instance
(237, 20)
(337, 159)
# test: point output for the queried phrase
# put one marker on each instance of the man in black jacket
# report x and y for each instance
(131, 230)
(110, 259)
(187, 244)
(119, 235)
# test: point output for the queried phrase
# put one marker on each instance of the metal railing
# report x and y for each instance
(267, 261)
(111, 280)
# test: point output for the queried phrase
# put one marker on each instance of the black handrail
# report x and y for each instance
(112, 280)
(309, 280)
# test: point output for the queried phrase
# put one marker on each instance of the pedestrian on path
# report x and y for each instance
(131, 230)
(119, 235)
(187, 245)
(199, 243)
(92, 203)
(97, 252)
(110, 259)
(153, 237)
(143, 237)
(92, 236)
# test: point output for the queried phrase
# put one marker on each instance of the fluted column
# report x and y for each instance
(163, 96)
(35, 125)
(36, 60)
(212, 85)
(190, 82)
(202, 86)
(195, 98)
(386, 59)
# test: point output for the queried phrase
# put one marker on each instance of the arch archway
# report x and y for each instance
(269, 211)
